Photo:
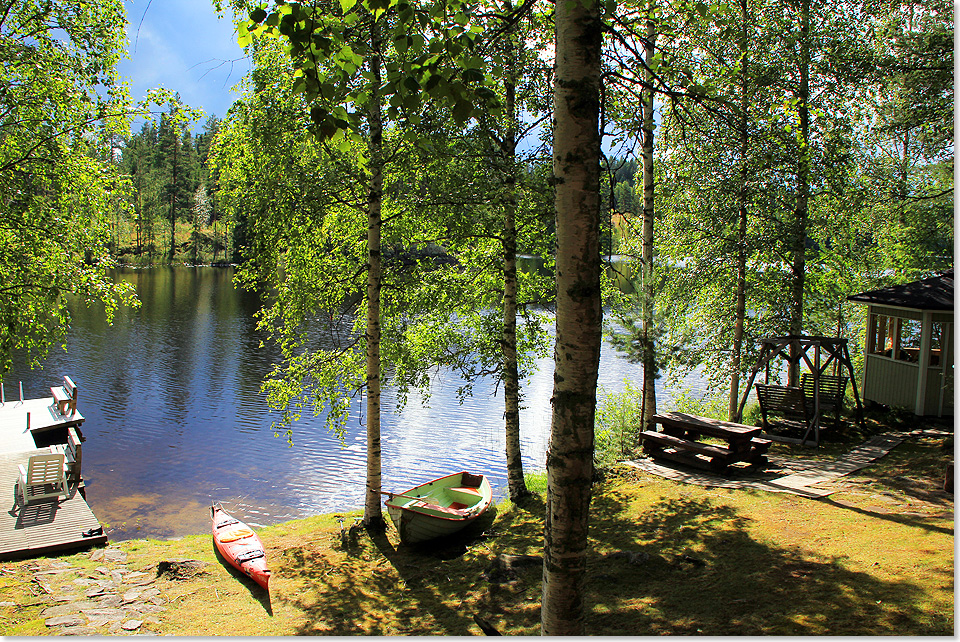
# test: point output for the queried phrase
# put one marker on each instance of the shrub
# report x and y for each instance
(618, 422)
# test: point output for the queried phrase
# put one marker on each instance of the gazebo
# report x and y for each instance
(909, 345)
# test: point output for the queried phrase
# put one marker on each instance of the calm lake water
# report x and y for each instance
(175, 418)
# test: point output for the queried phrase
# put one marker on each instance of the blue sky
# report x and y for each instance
(184, 46)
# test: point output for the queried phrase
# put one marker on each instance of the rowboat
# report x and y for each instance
(439, 507)
(240, 546)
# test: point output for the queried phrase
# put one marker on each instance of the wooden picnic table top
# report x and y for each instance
(706, 426)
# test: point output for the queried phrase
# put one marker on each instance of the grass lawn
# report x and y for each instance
(874, 558)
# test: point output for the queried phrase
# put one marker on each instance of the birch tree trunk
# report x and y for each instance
(511, 376)
(740, 307)
(649, 356)
(803, 195)
(372, 511)
(576, 167)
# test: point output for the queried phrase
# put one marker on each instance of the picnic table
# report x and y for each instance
(680, 435)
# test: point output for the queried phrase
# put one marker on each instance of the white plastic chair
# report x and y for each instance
(44, 477)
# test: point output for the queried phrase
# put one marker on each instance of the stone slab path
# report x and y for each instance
(782, 475)
(109, 599)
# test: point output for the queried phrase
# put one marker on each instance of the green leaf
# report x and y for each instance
(347, 5)
(258, 15)
(461, 111)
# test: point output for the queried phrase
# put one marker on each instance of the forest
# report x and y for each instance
(686, 177)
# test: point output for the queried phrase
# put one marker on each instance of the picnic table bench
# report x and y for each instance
(679, 440)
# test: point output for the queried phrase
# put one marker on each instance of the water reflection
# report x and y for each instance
(175, 419)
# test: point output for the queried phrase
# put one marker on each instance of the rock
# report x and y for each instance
(112, 613)
(94, 592)
(134, 575)
(114, 555)
(632, 557)
(64, 620)
(67, 609)
(180, 569)
(110, 601)
(132, 625)
(77, 630)
(504, 567)
(132, 595)
(102, 621)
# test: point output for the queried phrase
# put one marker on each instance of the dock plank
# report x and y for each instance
(45, 526)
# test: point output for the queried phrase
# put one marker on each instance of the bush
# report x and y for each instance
(618, 422)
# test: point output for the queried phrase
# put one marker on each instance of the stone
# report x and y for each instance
(67, 609)
(132, 595)
(110, 601)
(133, 575)
(180, 569)
(64, 620)
(77, 630)
(102, 621)
(504, 567)
(114, 555)
(132, 625)
(94, 592)
(99, 612)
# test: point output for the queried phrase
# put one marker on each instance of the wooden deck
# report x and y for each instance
(16, 436)
(45, 526)
(51, 525)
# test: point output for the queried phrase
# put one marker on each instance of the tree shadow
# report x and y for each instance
(914, 521)
(690, 566)
(357, 589)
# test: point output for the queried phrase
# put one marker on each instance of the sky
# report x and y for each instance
(184, 46)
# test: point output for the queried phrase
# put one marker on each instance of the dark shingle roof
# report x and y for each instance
(934, 293)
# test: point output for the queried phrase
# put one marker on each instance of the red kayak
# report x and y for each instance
(240, 546)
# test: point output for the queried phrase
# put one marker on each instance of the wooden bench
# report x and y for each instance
(679, 441)
(73, 454)
(65, 396)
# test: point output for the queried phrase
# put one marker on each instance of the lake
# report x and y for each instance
(175, 418)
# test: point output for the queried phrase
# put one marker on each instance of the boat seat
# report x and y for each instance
(427, 508)
(469, 491)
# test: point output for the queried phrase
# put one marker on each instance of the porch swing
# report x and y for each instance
(787, 410)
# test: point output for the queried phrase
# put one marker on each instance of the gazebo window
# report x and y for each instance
(909, 340)
(884, 330)
(936, 343)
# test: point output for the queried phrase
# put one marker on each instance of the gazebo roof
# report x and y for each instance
(934, 293)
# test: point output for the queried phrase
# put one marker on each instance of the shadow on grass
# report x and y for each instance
(379, 587)
(697, 570)
(258, 592)
(913, 521)
(682, 565)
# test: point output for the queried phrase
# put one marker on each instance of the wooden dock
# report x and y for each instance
(34, 427)
(44, 526)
